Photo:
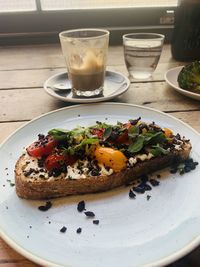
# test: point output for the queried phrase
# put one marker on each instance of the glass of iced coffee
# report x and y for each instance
(85, 52)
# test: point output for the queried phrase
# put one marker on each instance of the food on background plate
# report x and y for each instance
(96, 158)
(189, 77)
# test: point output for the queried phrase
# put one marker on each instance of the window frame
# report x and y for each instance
(44, 25)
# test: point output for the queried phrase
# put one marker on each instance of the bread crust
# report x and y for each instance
(53, 188)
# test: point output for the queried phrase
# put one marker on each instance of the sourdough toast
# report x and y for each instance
(36, 182)
(52, 188)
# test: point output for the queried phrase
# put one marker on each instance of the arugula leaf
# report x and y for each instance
(78, 131)
(154, 137)
(75, 148)
(133, 131)
(101, 125)
(88, 141)
(158, 151)
(137, 145)
(107, 133)
(59, 134)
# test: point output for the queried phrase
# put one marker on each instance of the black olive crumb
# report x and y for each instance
(95, 221)
(148, 197)
(63, 229)
(27, 236)
(49, 222)
(46, 207)
(81, 206)
(173, 171)
(154, 182)
(30, 226)
(79, 230)
(89, 214)
(132, 194)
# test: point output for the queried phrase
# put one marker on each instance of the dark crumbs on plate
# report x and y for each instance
(141, 188)
(95, 222)
(154, 182)
(89, 214)
(132, 194)
(184, 167)
(45, 207)
(148, 197)
(79, 230)
(81, 206)
(63, 229)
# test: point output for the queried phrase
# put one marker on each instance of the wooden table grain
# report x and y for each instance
(23, 70)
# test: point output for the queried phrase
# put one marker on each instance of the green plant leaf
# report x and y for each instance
(154, 137)
(137, 145)
(107, 133)
(59, 134)
(133, 131)
(158, 151)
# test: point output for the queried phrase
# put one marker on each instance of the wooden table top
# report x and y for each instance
(23, 70)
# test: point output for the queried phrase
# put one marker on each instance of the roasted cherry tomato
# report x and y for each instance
(43, 147)
(123, 138)
(110, 157)
(56, 161)
(167, 132)
(98, 132)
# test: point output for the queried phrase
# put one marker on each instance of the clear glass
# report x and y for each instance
(85, 52)
(141, 53)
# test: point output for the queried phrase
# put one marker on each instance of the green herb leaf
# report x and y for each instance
(137, 145)
(154, 137)
(89, 141)
(78, 131)
(75, 148)
(59, 134)
(107, 133)
(158, 151)
(133, 131)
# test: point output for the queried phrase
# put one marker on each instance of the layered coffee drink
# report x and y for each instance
(85, 52)
(87, 73)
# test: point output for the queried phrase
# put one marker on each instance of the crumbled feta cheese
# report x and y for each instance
(142, 157)
(178, 147)
(74, 173)
(104, 171)
(132, 161)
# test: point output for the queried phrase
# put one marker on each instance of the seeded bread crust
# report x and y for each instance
(52, 188)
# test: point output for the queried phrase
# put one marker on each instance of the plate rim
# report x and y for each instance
(177, 88)
(37, 259)
(85, 100)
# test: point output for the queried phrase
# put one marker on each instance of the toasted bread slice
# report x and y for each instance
(29, 188)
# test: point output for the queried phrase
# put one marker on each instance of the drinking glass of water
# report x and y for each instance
(141, 53)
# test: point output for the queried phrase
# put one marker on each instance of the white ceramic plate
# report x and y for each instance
(171, 77)
(115, 84)
(130, 233)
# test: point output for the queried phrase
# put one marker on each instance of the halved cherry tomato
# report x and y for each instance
(42, 147)
(127, 125)
(123, 138)
(55, 161)
(167, 132)
(98, 132)
(110, 157)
